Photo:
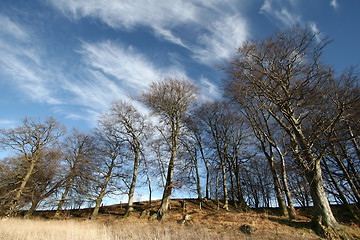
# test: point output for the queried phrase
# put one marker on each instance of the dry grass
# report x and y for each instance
(205, 224)
(22, 229)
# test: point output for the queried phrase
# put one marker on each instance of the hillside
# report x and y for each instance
(209, 223)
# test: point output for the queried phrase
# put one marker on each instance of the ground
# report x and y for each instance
(212, 223)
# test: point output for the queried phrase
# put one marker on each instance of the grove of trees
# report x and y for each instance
(285, 134)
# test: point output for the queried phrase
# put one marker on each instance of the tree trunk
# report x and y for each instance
(11, 209)
(198, 186)
(352, 184)
(232, 182)
(291, 209)
(207, 196)
(30, 212)
(63, 197)
(165, 203)
(217, 190)
(340, 193)
(133, 182)
(226, 196)
(279, 196)
(103, 190)
(323, 219)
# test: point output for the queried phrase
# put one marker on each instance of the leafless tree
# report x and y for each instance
(29, 141)
(284, 74)
(46, 179)
(78, 148)
(171, 100)
(130, 127)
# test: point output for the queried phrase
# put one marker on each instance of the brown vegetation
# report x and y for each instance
(208, 223)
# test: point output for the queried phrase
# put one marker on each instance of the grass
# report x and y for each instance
(205, 224)
(22, 229)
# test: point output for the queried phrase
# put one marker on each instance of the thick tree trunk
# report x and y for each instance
(99, 199)
(242, 204)
(165, 203)
(15, 201)
(323, 219)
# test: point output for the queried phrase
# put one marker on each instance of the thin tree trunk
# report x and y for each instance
(291, 209)
(30, 212)
(277, 188)
(346, 174)
(198, 186)
(226, 196)
(233, 192)
(133, 182)
(102, 191)
(207, 195)
(217, 189)
(63, 197)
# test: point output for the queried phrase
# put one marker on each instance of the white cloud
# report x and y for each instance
(277, 10)
(125, 64)
(12, 29)
(110, 72)
(160, 15)
(214, 28)
(334, 4)
(21, 61)
(4, 123)
(225, 35)
(94, 91)
(210, 91)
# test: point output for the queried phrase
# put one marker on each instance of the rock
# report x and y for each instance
(246, 229)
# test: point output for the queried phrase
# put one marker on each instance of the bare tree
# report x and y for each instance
(225, 131)
(107, 165)
(29, 142)
(130, 127)
(78, 148)
(284, 74)
(171, 100)
(46, 179)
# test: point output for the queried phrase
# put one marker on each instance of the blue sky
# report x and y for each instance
(71, 58)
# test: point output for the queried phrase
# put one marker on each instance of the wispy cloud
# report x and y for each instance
(279, 11)
(161, 15)
(216, 29)
(4, 123)
(12, 29)
(111, 71)
(129, 67)
(21, 61)
(224, 36)
(210, 91)
(334, 4)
